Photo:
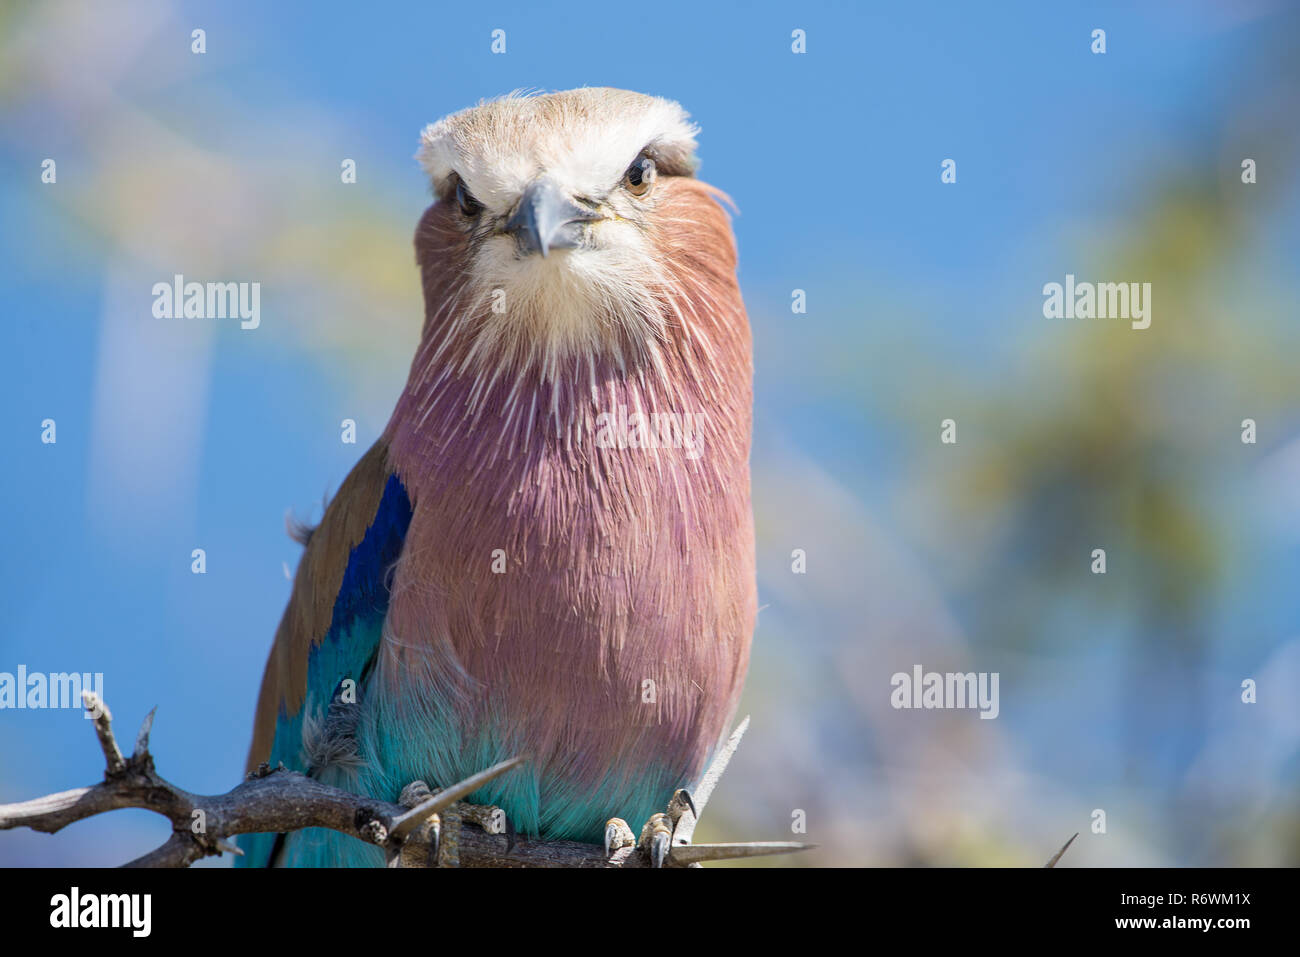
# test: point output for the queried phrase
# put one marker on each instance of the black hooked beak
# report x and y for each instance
(546, 219)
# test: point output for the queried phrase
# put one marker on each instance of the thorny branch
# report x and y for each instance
(277, 800)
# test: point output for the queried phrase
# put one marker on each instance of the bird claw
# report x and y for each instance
(656, 838)
(412, 796)
(490, 818)
(617, 835)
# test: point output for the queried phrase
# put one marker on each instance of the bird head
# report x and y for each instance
(557, 224)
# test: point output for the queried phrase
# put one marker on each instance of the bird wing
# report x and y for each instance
(332, 626)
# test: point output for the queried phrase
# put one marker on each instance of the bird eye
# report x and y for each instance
(468, 204)
(640, 176)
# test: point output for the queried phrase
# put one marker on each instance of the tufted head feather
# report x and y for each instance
(586, 138)
(604, 273)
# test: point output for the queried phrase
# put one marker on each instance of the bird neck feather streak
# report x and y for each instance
(536, 376)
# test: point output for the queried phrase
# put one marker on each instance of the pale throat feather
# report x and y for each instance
(540, 354)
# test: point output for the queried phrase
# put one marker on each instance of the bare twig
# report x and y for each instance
(98, 709)
(277, 800)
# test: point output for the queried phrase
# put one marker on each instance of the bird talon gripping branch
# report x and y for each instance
(656, 837)
(656, 834)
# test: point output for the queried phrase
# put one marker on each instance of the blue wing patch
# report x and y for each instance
(349, 647)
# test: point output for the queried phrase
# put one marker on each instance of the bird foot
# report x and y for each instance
(666, 838)
(448, 822)
(656, 834)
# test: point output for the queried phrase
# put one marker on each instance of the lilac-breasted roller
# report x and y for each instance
(549, 553)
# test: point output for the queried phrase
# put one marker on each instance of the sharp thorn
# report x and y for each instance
(696, 853)
(720, 762)
(684, 827)
(142, 739)
(1057, 856)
